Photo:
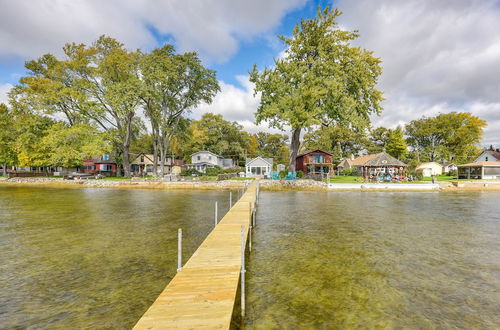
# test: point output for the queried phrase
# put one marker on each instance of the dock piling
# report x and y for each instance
(216, 215)
(242, 279)
(179, 250)
(230, 199)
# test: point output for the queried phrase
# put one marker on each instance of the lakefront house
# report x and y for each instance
(486, 166)
(202, 160)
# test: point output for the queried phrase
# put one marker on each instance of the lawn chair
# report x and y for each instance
(274, 176)
(291, 176)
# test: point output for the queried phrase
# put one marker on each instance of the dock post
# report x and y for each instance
(179, 250)
(216, 215)
(230, 199)
(251, 226)
(242, 279)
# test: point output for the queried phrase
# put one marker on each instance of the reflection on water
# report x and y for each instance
(93, 258)
(375, 260)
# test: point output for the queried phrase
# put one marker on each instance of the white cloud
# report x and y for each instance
(438, 56)
(211, 27)
(236, 104)
(4, 89)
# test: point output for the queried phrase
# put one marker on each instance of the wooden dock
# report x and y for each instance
(203, 293)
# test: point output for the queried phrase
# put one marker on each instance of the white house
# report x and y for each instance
(449, 167)
(202, 160)
(429, 169)
(488, 156)
(258, 166)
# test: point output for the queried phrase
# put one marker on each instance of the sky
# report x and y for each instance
(438, 56)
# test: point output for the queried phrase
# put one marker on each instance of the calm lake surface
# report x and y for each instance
(93, 258)
(375, 260)
(97, 258)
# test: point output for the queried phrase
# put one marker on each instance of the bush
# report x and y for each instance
(300, 174)
(350, 172)
(214, 171)
(234, 170)
(283, 174)
(453, 173)
(190, 172)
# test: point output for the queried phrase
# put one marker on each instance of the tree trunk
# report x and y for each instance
(155, 156)
(294, 148)
(4, 169)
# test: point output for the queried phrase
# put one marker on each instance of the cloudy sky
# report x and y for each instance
(438, 55)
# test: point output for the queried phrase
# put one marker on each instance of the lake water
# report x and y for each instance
(419, 260)
(93, 258)
(97, 258)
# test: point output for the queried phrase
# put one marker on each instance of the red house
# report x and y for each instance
(104, 165)
(314, 162)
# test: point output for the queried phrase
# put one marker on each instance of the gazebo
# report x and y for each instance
(384, 165)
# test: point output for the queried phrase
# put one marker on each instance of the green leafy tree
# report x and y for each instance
(445, 137)
(396, 144)
(322, 79)
(273, 146)
(172, 84)
(70, 146)
(7, 138)
(378, 140)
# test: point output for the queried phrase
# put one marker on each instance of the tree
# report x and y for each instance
(450, 136)
(7, 138)
(396, 144)
(70, 146)
(172, 84)
(378, 140)
(273, 146)
(322, 79)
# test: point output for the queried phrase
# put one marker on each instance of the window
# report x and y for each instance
(105, 157)
(209, 157)
(486, 158)
(199, 157)
(318, 158)
(142, 159)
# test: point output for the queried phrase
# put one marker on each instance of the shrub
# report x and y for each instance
(190, 172)
(283, 174)
(452, 173)
(350, 172)
(300, 174)
(213, 171)
(234, 170)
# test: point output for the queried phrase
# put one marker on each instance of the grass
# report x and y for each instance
(353, 179)
(116, 178)
(241, 178)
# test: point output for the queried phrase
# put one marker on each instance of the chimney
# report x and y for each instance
(352, 156)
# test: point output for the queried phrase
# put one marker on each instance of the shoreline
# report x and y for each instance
(268, 185)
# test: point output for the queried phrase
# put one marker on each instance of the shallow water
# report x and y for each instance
(93, 258)
(375, 260)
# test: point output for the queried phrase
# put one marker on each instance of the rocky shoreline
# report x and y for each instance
(271, 185)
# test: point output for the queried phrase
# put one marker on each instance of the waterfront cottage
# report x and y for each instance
(314, 162)
(258, 166)
(103, 165)
(202, 160)
(447, 168)
(354, 163)
(480, 170)
(143, 164)
(429, 169)
(383, 164)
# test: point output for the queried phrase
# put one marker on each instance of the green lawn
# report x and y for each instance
(354, 179)
(441, 178)
(116, 178)
(241, 178)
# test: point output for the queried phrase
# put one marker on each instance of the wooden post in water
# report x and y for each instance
(230, 199)
(216, 215)
(242, 279)
(179, 250)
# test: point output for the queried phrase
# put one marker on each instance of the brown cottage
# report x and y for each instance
(314, 162)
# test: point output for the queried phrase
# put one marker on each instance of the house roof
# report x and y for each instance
(383, 159)
(495, 154)
(200, 164)
(206, 151)
(480, 164)
(251, 160)
(311, 151)
(100, 160)
(358, 161)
